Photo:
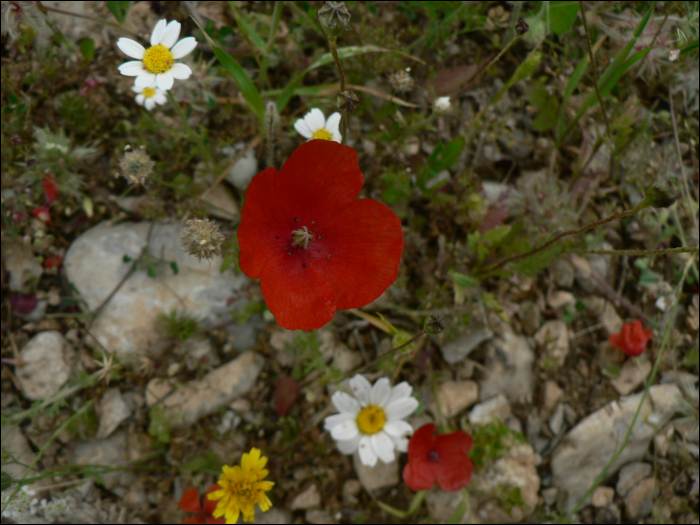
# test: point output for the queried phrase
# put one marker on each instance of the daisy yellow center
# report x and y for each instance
(148, 92)
(371, 419)
(158, 59)
(322, 134)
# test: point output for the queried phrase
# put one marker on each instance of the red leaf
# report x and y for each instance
(190, 502)
(50, 187)
(286, 393)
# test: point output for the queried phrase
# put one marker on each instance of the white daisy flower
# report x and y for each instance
(149, 96)
(372, 421)
(157, 63)
(315, 126)
(442, 105)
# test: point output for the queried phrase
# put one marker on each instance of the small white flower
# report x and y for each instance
(315, 126)
(674, 54)
(442, 105)
(157, 63)
(149, 96)
(372, 420)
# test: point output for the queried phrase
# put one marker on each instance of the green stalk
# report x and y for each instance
(344, 118)
(276, 17)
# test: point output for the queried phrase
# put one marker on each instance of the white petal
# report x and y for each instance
(336, 419)
(359, 384)
(136, 89)
(398, 428)
(149, 104)
(403, 389)
(160, 98)
(401, 444)
(337, 136)
(344, 431)
(348, 446)
(345, 403)
(315, 119)
(401, 408)
(302, 129)
(333, 123)
(172, 32)
(145, 79)
(379, 394)
(367, 455)
(184, 47)
(158, 31)
(140, 99)
(132, 69)
(383, 446)
(180, 71)
(131, 48)
(165, 80)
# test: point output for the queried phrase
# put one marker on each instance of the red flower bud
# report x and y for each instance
(632, 339)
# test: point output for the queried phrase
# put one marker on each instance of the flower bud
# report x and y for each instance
(334, 18)
(522, 27)
(433, 324)
(347, 100)
(660, 194)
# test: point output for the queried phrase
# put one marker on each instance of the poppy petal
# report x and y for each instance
(457, 442)
(261, 223)
(454, 473)
(298, 297)
(320, 179)
(419, 474)
(421, 442)
(363, 244)
(189, 502)
(617, 341)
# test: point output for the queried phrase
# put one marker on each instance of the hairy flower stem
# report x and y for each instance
(344, 114)
(636, 252)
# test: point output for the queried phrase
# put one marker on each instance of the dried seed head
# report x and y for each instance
(521, 27)
(334, 18)
(347, 100)
(402, 81)
(201, 237)
(442, 105)
(136, 165)
(434, 324)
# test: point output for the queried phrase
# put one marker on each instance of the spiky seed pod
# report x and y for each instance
(402, 81)
(334, 18)
(136, 165)
(201, 237)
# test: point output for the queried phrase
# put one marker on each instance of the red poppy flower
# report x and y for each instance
(50, 187)
(315, 248)
(190, 502)
(53, 261)
(632, 339)
(442, 459)
(42, 213)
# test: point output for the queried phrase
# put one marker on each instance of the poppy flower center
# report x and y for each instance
(158, 59)
(322, 134)
(302, 237)
(148, 92)
(371, 419)
(433, 456)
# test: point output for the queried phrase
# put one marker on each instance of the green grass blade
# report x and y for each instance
(580, 70)
(639, 55)
(247, 30)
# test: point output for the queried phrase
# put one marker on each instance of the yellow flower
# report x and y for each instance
(242, 487)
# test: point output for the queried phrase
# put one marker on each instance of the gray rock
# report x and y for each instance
(205, 396)
(351, 490)
(307, 499)
(605, 313)
(630, 475)
(556, 422)
(530, 316)
(632, 375)
(110, 451)
(441, 505)
(21, 264)
(455, 396)
(550, 496)
(378, 478)
(640, 500)
(487, 411)
(126, 325)
(553, 338)
(113, 410)
(221, 203)
(319, 516)
(47, 357)
(562, 273)
(274, 516)
(552, 395)
(509, 362)
(602, 496)
(560, 298)
(587, 448)
(457, 350)
(584, 266)
(16, 445)
(245, 169)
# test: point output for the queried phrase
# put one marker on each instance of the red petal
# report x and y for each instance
(50, 187)
(617, 341)
(189, 501)
(364, 242)
(196, 519)
(210, 505)
(453, 473)
(42, 213)
(53, 261)
(421, 442)
(320, 179)
(298, 296)
(419, 474)
(286, 393)
(454, 443)
(262, 221)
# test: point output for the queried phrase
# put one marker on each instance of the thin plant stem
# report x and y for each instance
(661, 251)
(597, 87)
(181, 113)
(344, 114)
(276, 16)
(495, 59)
(43, 7)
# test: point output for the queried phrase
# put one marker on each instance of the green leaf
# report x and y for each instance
(690, 48)
(119, 10)
(458, 513)
(87, 48)
(537, 262)
(247, 30)
(248, 89)
(465, 281)
(562, 16)
(208, 463)
(175, 268)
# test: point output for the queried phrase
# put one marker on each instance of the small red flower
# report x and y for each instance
(42, 213)
(442, 459)
(315, 248)
(632, 339)
(53, 261)
(190, 502)
(50, 187)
